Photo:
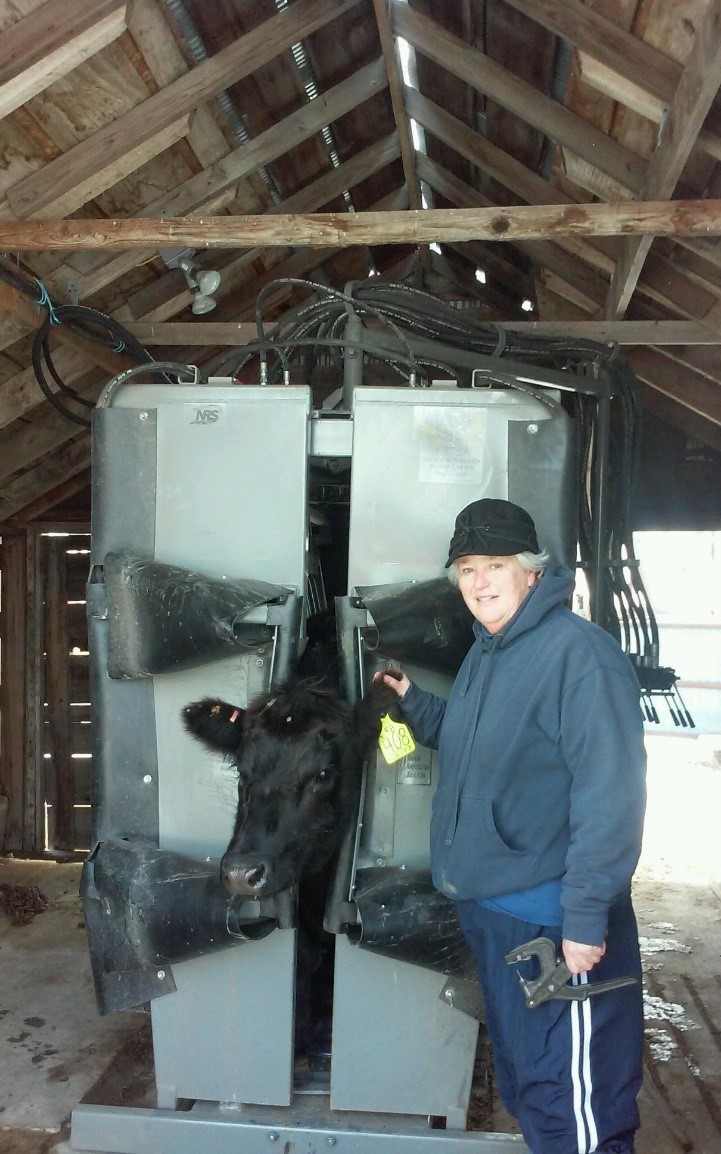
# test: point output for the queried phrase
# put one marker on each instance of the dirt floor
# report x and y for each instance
(55, 1050)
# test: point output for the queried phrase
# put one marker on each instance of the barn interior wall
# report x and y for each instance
(679, 481)
(45, 750)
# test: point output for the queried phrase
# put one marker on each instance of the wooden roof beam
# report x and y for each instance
(36, 195)
(692, 99)
(649, 75)
(485, 75)
(48, 43)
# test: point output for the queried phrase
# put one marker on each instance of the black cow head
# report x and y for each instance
(299, 752)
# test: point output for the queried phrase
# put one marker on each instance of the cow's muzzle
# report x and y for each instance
(246, 876)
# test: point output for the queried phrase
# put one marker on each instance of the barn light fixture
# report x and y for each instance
(201, 284)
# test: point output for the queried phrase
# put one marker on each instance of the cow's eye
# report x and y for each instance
(323, 777)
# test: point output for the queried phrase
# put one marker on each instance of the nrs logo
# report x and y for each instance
(205, 415)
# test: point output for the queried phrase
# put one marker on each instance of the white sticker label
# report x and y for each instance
(451, 446)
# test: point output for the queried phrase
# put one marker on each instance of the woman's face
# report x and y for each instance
(493, 588)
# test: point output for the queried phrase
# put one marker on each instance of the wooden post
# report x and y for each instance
(12, 686)
(57, 693)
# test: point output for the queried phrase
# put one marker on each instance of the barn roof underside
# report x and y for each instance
(149, 110)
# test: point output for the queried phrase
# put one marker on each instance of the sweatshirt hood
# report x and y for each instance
(555, 586)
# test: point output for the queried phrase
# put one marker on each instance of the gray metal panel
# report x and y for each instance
(231, 491)
(419, 456)
(407, 1052)
(304, 1128)
(210, 478)
(542, 472)
(125, 766)
(226, 1034)
(123, 482)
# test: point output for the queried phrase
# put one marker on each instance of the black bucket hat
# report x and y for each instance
(492, 528)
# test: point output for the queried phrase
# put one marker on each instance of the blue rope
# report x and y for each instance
(46, 303)
(118, 347)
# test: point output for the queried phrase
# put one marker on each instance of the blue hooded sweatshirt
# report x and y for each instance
(542, 763)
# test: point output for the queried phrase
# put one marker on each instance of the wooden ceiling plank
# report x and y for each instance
(54, 470)
(346, 230)
(395, 88)
(556, 121)
(31, 515)
(33, 195)
(48, 43)
(614, 61)
(667, 333)
(692, 99)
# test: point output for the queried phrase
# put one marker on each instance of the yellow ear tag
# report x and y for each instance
(395, 740)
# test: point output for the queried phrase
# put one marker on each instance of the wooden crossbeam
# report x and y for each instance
(345, 230)
(36, 194)
(473, 67)
(49, 42)
(206, 334)
(692, 99)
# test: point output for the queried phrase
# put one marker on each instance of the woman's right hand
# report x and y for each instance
(395, 679)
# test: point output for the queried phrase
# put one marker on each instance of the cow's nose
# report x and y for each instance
(247, 877)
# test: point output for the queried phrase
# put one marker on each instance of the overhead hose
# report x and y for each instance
(411, 315)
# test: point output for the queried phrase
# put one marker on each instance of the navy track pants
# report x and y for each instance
(568, 1071)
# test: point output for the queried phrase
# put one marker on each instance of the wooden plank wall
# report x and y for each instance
(45, 730)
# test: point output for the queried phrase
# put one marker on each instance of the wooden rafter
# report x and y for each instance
(692, 99)
(395, 88)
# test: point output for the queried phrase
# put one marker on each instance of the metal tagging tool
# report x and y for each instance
(554, 976)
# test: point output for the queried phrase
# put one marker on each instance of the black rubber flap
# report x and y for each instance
(164, 618)
(146, 908)
(423, 623)
(401, 915)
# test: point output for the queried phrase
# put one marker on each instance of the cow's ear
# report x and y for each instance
(216, 723)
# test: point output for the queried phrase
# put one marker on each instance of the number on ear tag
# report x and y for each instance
(395, 740)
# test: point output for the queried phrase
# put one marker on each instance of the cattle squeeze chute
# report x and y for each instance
(227, 519)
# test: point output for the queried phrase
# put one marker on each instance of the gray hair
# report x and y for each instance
(531, 562)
